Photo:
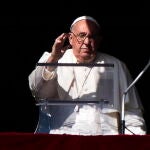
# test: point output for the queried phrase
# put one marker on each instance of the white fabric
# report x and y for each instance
(68, 83)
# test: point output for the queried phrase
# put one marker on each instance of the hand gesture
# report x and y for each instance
(58, 48)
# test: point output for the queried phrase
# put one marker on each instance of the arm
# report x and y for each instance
(42, 80)
(42, 83)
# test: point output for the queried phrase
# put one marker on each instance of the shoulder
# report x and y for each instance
(108, 58)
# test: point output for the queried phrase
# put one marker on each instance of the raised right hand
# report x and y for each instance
(58, 48)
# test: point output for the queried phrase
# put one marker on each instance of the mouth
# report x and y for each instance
(86, 50)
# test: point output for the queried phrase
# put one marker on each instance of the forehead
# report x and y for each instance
(85, 26)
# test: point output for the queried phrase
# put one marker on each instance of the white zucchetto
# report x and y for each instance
(84, 18)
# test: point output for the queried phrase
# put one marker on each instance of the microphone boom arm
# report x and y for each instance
(122, 130)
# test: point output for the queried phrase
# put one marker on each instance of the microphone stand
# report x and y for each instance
(122, 130)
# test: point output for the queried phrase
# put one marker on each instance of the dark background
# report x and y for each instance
(25, 36)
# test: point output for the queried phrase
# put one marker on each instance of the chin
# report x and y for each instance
(86, 55)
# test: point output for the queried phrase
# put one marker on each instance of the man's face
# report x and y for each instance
(84, 39)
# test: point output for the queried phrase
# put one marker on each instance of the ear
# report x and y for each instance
(99, 42)
(100, 38)
(70, 39)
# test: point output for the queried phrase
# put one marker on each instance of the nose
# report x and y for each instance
(87, 39)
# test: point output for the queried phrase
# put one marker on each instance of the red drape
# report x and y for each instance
(27, 141)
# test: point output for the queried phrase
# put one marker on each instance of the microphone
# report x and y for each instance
(122, 130)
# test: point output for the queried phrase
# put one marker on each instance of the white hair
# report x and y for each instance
(84, 18)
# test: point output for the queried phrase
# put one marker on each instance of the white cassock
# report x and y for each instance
(105, 84)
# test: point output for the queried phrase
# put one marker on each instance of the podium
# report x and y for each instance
(49, 109)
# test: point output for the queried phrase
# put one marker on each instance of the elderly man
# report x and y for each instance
(86, 83)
